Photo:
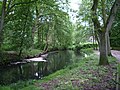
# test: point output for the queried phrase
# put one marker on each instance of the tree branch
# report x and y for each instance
(103, 12)
(111, 17)
(94, 15)
(9, 4)
(20, 3)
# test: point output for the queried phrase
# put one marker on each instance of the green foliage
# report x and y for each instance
(115, 32)
(18, 31)
(39, 25)
(85, 46)
(31, 52)
(84, 26)
(87, 51)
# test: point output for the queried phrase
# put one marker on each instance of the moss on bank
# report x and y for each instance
(84, 75)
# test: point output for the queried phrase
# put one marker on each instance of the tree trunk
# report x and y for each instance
(33, 35)
(108, 44)
(1, 26)
(100, 34)
(102, 48)
(47, 33)
(2, 20)
(39, 38)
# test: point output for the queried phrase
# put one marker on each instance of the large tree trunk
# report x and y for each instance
(103, 50)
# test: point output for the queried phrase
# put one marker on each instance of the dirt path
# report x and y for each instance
(115, 53)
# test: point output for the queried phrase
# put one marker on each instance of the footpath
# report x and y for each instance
(116, 54)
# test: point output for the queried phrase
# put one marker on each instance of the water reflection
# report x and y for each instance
(36, 70)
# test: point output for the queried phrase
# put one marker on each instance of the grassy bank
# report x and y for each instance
(84, 75)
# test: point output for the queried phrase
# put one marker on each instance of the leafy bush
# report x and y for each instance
(85, 46)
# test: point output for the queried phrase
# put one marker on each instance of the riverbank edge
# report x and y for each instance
(14, 56)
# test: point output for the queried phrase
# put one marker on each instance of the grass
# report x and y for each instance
(86, 75)
(83, 75)
(87, 51)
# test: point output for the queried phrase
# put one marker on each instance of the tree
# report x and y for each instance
(53, 26)
(35, 24)
(102, 31)
(84, 27)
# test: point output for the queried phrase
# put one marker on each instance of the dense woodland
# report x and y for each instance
(29, 28)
